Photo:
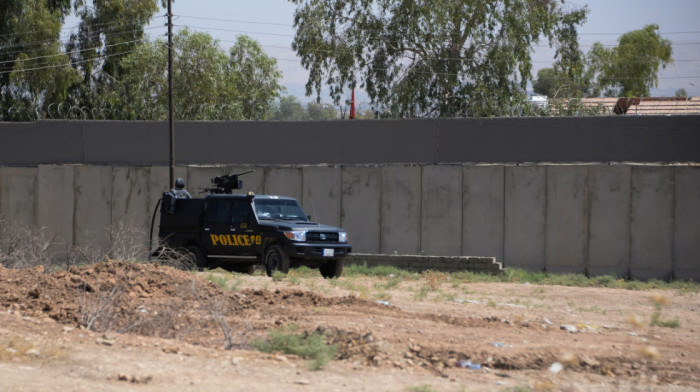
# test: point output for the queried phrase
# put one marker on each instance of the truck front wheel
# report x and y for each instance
(276, 260)
(332, 268)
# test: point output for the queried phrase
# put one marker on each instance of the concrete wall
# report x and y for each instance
(476, 140)
(637, 221)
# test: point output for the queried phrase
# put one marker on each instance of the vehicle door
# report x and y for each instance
(245, 233)
(217, 228)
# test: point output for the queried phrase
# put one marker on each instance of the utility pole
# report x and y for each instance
(170, 95)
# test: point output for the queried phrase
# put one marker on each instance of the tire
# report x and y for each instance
(332, 268)
(276, 260)
(198, 257)
(248, 269)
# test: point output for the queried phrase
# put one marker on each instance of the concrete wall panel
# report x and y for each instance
(321, 194)
(18, 195)
(483, 211)
(360, 207)
(651, 227)
(566, 224)
(401, 209)
(93, 206)
(130, 198)
(609, 218)
(525, 217)
(283, 181)
(441, 210)
(687, 224)
(55, 198)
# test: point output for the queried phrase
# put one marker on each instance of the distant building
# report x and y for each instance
(646, 106)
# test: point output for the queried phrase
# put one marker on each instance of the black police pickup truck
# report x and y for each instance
(246, 230)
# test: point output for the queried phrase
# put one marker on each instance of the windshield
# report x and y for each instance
(283, 209)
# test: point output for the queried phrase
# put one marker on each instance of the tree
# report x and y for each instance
(289, 108)
(630, 69)
(109, 30)
(317, 111)
(681, 93)
(426, 58)
(33, 68)
(207, 85)
(255, 78)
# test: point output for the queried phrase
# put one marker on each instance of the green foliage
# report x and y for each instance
(452, 58)
(656, 321)
(305, 345)
(290, 109)
(33, 67)
(420, 388)
(108, 31)
(681, 93)
(385, 271)
(207, 85)
(630, 69)
(254, 78)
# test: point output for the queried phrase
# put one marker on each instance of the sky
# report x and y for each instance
(270, 22)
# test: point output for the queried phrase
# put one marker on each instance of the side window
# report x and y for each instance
(218, 211)
(241, 212)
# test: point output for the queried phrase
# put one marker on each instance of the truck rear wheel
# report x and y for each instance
(332, 268)
(198, 257)
(276, 260)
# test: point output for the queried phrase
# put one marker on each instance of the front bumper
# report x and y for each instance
(315, 250)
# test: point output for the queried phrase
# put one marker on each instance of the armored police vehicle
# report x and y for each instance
(246, 229)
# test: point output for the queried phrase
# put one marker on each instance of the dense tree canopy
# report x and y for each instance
(207, 84)
(631, 68)
(108, 31)
(33, 66)
(428, 58)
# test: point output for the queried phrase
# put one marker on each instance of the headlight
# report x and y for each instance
(342, 236)
(297, 235)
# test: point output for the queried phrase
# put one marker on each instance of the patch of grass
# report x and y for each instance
(420, 388)
(219, 279)
(278, 276)
(294, 280)
(381, 295)
(378, 271)
(656, 321)
(306, 345)
(422, 293)
(349, 284)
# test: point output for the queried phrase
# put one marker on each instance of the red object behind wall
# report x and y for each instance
(352, 105)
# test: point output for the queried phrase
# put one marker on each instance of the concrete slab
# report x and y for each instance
(93, 207)
(321, 193)
(131, 214)
(483, 211)
(360, 207)
(566, 224)
(18, 195)
(525, 217)
(609, 218)
(401, 210)
(55, 203)
(283, 181)
(651, 227)
(686, 229)
(441, 210)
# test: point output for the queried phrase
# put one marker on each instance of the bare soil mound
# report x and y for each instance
(505, 332)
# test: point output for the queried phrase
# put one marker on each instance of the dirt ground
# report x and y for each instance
(153, 328)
